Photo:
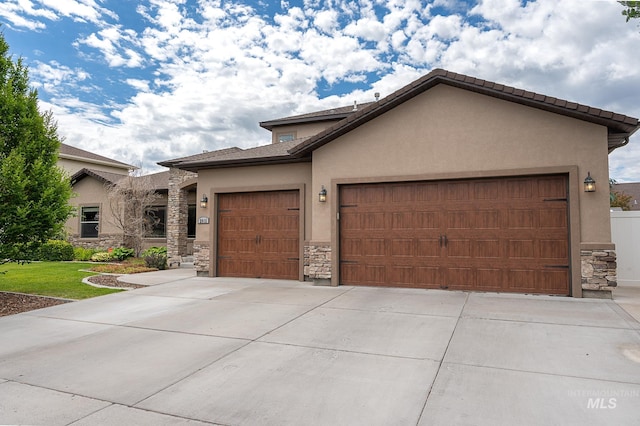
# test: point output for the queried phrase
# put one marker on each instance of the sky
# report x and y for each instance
(143, 81)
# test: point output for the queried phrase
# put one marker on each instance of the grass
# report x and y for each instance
(55, 279)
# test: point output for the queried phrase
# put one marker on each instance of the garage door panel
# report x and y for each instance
(373, 247)
(428, 247)
(519, 189)
(489, 279)
(487, 249)
(488, 190)
(427, 220)
(522, 249)
(458, 248)
(553, 281)
(554, 250)
(521, 219)
(402, 276)
(402, 247)
(553, 218)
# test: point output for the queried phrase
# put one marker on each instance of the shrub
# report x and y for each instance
(122, 253)
(102, 256)
(155, 257)
(156, 260)
(55, 250)
(83, 254)
(154, 250)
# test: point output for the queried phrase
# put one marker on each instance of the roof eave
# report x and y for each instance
(241, 162)
(269, 125)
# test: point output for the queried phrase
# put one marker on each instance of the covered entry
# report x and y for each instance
(258, 234)
(499, 234)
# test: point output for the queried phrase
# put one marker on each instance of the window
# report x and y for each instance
(157, 222)
(191, 221)
(89, 222)
(285, 137)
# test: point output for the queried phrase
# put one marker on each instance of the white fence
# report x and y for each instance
(625, 233)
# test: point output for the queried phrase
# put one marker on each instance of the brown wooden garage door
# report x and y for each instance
(503, 234)
(258, 234)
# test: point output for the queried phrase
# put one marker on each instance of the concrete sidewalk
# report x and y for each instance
(191, 350)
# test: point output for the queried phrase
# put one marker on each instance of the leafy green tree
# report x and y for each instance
(34, 192)
(632, 9)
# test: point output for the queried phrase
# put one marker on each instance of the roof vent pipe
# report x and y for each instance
(377, 95)
(355, 105)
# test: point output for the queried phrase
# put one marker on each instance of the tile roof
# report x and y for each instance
(102, 176)
(206, 155)
(273, 153)
(325, 115)
(620, 126)
(159, 181)
(71, 151)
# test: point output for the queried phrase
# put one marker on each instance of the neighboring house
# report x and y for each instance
(451, 182)
(74, 159)
(632, 189)
(93, 225)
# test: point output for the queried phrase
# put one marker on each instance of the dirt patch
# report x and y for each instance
(14, 303)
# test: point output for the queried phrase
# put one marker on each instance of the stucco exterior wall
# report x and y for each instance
(91, 192)
(450, 132)
(243, 179)
(72, 166)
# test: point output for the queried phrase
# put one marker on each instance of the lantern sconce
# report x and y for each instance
(322, 195)
(204, 201)
(589, 183)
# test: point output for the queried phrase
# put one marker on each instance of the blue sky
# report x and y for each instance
(143, 81)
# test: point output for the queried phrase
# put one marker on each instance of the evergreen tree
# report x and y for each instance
(34, 192)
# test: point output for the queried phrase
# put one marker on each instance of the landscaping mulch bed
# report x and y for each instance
(14, 303)
(111, 281)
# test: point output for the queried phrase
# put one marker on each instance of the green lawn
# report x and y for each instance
(57, 279)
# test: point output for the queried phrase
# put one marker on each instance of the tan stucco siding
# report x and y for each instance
(454, 132)
(91, 192)
(73, 166)
(254, 178)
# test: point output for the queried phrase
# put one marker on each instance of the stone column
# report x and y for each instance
(317, 263)
(177, 214)
(599, 276)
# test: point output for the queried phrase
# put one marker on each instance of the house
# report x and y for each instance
(72, 160)
(93, 225)
(632, 189)
(450, 183)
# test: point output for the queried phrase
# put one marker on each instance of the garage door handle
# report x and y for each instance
(444, 241)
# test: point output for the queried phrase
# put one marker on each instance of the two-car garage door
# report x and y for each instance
(503, 234)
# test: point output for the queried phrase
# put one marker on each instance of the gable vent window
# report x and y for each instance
(286, 137)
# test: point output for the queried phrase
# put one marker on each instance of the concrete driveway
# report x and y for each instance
(190, 350)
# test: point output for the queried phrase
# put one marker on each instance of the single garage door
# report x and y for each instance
(258, 234)
(503, 234)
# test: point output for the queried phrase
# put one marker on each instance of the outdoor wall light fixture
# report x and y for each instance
(322, 195)
(589, 183)
(204, 201)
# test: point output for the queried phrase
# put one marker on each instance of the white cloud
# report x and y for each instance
(222, 67)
